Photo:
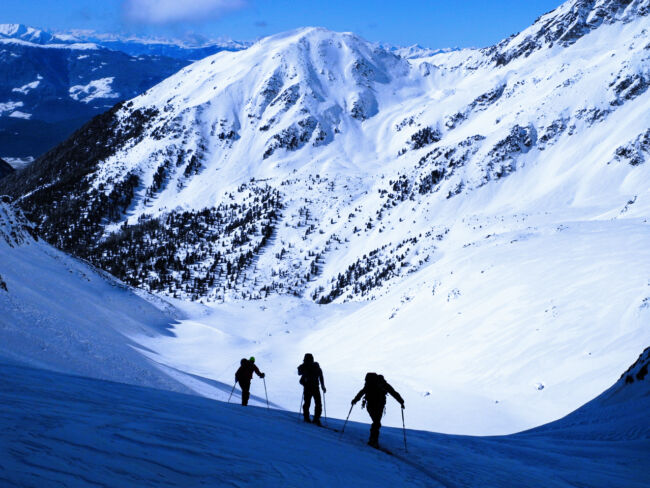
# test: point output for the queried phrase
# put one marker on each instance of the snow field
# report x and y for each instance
(69, 430)
(499, 343)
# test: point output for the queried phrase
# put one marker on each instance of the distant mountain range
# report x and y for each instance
(50, 84)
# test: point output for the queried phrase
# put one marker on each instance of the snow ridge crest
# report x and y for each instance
(567, 24)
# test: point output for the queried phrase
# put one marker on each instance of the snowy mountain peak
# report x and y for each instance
(326, 73)
(25, 33)
(287, 92)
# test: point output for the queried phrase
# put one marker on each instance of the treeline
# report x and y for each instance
(191, 254)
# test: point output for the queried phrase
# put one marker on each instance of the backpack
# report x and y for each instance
(375, 383)
(242, 365)
(309, 373)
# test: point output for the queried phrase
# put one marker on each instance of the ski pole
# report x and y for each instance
(266, 394)
(325, 405)
(346, 420)
(404, 430)
(302, 398)
(231, 391)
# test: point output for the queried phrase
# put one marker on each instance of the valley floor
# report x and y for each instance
(60, 430)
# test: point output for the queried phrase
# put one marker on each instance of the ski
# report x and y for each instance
(322, 426)
(383, 449)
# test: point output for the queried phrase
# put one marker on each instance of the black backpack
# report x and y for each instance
(309, 373)
(375, 383)
(242, 366)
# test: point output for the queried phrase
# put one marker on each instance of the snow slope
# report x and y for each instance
(490, 350)
(63, 315)
(75, 431)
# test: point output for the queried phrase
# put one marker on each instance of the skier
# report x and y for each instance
(244, 376)
(375, 390)
(310, 375)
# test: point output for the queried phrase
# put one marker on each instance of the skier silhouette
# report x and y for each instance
(310, 376)
(244, 376)
(375, 390)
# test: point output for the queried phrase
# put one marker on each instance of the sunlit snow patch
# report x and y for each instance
(9, 106)
(25, 89)
(95, 89)
(20, 115)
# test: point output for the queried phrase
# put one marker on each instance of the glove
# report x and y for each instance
(324, 390)
(403, 407)
(262, 375)
(354, 402)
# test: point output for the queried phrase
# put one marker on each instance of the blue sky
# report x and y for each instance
(431, 23)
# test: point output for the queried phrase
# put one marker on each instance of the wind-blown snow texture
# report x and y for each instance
(80, 432)
(472, 224)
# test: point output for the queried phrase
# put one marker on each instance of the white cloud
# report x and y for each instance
(169, 11)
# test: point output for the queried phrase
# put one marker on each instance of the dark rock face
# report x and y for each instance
(65, 212)
(636, 151)
(639, 370)
(5, 168)
(293, 137)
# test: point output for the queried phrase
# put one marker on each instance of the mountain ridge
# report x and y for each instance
(311, 99)
(568, 23)
(132, 45)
